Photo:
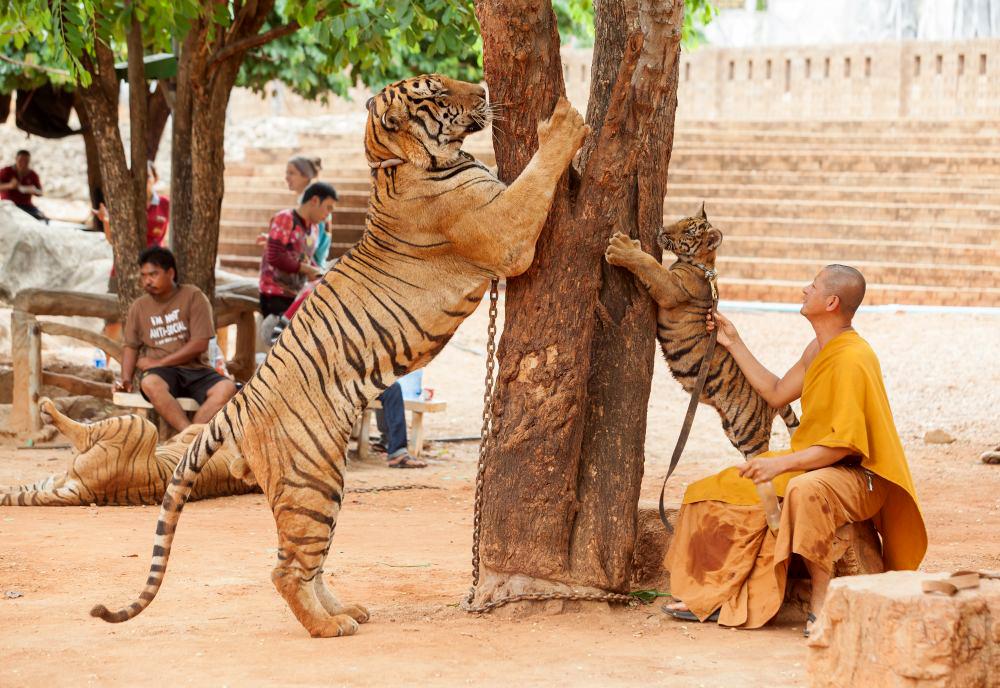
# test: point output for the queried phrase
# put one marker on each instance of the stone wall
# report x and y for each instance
(899, 80)
(917, 80)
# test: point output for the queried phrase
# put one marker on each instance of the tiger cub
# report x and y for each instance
(118, 463)
(684, 297)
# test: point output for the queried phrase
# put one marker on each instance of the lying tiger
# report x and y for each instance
(440, 225)
(119, 464)
(684, 296)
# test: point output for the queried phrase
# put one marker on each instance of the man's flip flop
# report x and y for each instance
(406, 461)
(685, 615)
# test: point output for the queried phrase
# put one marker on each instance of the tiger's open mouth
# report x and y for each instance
(481, 117)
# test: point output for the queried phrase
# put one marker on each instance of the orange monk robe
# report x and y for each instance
(844, 404)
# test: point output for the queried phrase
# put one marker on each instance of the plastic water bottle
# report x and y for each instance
(100, 359)
(216, 357)
(769, 500)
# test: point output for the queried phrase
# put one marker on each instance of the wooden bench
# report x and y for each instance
(416, 430)
(138, 402)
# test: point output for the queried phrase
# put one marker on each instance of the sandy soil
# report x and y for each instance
(406, 554)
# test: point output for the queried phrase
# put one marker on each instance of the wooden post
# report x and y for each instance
(243, 364)
(25, 352)
(417, 434)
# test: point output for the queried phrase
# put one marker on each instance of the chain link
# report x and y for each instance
(391, 488)
(489, 403)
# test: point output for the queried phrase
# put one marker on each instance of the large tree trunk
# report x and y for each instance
(124, 189)
(207, 71)
(562, 477)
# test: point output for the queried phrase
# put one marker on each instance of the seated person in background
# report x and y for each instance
(157, 223)
(287, 263)
(18, 183)
(166, 336)
(391, 419)
(157, 219)
(846, 465)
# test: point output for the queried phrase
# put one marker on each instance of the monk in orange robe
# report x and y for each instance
(846, 465)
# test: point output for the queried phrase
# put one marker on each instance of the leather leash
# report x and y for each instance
(699, 386)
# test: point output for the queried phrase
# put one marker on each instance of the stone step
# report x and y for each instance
(247, 232)
(907, 126)
(276, 197)
(790, 291)
(816, 209)
(850, 250)
(261, 215)
(765, 159)
(261, 184)
(709, 190)
(741, 177)
(786, 137)
(986, 235)
(973, 277)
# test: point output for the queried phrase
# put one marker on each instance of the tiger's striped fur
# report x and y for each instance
(684, 297)
(119, 464)
(439, 227)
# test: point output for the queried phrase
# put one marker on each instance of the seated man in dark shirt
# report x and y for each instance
(166, 338)
(18, 183)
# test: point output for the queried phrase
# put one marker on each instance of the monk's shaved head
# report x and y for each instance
(847, 283)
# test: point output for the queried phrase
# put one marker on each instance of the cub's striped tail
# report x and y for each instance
(791, 420)
(178, 491)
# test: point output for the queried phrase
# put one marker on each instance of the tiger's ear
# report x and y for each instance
(369, 103)
(701, 213)
(393, 117)
(713, 238)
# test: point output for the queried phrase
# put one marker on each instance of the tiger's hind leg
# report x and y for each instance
(304, 534)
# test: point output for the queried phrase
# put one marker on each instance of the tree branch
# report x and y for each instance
(239, 47)
(41, 68)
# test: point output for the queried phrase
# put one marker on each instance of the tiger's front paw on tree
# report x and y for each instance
(622, 251)
(563, 131)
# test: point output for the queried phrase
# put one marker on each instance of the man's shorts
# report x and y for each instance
(186, 382)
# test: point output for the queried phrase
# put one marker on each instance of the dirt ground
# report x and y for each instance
(218, 621)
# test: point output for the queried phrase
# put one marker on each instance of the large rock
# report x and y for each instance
(54, 256)
(882, 630)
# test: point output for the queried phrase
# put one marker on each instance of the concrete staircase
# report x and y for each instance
(914, 205)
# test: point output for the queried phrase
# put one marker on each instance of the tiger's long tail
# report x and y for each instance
(197, 455)
(791, 420)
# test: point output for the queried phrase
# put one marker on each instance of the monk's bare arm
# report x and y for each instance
(777, 391)
(768, 468)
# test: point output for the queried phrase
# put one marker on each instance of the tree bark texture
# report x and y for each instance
(562, 476)
(158, 114)
(124, 193)
(204, 83)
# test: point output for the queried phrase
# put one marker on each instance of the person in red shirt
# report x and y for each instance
(18, 183)
(157, 219)
(286, 264)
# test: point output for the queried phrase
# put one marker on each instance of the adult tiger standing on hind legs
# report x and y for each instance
(430, 248)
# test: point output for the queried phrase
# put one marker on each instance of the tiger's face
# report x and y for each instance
(424, 119)
(691, 237)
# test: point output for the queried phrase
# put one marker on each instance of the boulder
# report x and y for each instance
(883, 630)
